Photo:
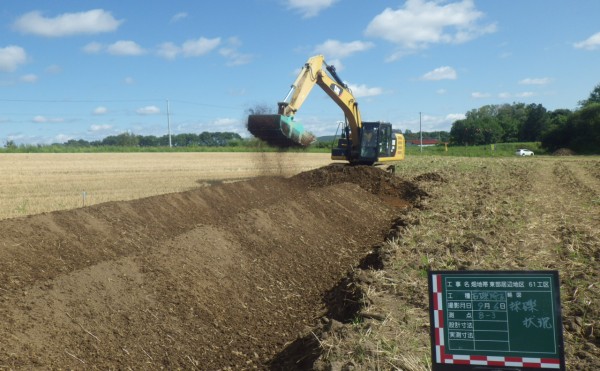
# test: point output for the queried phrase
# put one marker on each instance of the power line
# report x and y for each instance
(10, 100)
(78, 100)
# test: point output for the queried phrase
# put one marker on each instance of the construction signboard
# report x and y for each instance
(495, 320)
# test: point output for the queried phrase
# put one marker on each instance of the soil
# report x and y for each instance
(324, 270)
(563, 152)
(220, 277)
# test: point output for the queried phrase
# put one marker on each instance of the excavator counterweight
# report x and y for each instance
(279, 131)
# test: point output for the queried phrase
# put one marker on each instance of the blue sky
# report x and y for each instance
(88, 69)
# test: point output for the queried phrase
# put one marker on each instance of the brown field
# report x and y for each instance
(35, 183)
(310, 267)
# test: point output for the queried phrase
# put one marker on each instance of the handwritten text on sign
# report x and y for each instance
(495, 318)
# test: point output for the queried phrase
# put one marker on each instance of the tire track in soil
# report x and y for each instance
(579, 179)
(215, 278)
(565, 217)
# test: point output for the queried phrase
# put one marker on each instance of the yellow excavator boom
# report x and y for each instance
(360, 143)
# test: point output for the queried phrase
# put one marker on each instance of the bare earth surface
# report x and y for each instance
(321, 270)
(217, 277)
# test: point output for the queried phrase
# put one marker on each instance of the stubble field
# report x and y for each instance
(35, 183)
(300, 266)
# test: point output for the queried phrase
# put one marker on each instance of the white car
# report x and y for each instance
(524, 152)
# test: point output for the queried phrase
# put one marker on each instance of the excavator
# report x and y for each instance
(360, 143)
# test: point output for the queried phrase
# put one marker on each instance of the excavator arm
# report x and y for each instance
(313, 73)
(363, 142)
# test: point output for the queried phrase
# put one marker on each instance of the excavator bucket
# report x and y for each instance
(279, 131)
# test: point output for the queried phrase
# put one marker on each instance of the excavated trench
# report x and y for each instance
(220, 277)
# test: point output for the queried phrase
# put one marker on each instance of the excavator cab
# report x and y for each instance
(376, 142)
(368, 142)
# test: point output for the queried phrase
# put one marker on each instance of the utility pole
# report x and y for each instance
(169, 123)
(420, 132)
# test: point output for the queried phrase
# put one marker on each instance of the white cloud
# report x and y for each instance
(218, 124)
(455, 116)
(100, 127)
(92, 48)
(125, 47)
(480, 95)
(148, 110)
(190, 48)
(591, 43)
(227, 124)
(525, 94)
(364, 91)
(431, 123)
(317, 126)
(62, 138)
(29, 78)
(100, 110)
(231, 53)
(67, 24)
(535, 81)
(399, 54)
(39, 119)
(121, 47)
(53, 69)
(11, 57)
(200, 46)
(440, 73)
(129, 80)
(420, 23)
(17, 138)
(310, 8)
(168, 50)
(235, 58)
(441, 91)
(336, 49)
(178, 17)
(503, 95)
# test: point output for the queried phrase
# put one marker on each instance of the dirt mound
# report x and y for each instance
(431, 177)
(369, 178)
(215, 278)
(563, 152)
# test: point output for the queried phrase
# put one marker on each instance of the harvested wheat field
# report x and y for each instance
(41, 182)
(324, 269)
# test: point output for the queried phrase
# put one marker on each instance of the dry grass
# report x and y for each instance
(36, 183)
(484, 214)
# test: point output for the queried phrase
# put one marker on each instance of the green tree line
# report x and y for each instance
(578, 130)
(204, 139)
(442, 136)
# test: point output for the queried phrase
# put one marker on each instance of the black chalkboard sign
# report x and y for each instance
(495, 320)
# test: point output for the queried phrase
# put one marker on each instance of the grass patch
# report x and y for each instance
(496, 150)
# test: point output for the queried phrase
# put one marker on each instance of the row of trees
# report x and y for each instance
(578, 130)
(204, 139)
(442, 136)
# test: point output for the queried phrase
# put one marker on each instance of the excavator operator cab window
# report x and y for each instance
(369, 141)
(385, 140)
